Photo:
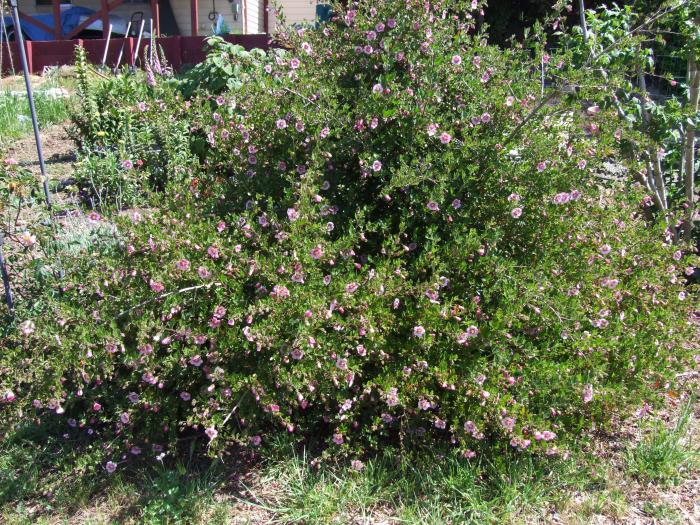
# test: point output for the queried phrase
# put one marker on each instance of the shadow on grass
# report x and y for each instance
(45, 475)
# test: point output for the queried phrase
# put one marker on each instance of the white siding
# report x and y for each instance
(296, 11)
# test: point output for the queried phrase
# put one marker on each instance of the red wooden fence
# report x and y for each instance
(178, 50)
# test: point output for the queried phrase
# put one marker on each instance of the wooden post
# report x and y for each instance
(57, 29)
(104, 11)
(194, 16)
(155, 16)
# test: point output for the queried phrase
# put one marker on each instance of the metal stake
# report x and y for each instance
(121, 50)
(104, 55)
(582, 13)
(30, 97)
(5, 278)
(138, 46)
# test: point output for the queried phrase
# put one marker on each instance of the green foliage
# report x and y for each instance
(666, 456)
(227, 67)
(389, 239)
(132, 142)
(15, 119)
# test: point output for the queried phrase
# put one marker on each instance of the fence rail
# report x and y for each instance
(178, 50)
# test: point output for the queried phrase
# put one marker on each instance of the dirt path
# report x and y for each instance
(59, 152)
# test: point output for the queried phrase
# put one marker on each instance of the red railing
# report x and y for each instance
(178, 50)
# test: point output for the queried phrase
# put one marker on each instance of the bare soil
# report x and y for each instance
(58, 149)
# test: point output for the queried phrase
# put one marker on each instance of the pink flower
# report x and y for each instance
(456, 60)
(432, 129)
(255, 441)
(297, 354)
(124, 418)
(541, 166)
(182, 264)
(203, 272)
(338, 439)
(357, 465)
(110, 467)
(96, 407)
(221, 226)
(342, 364)
(445, 137)
(351, 287)
(433, 206)
(281, 124)
(456, 204)
(476, 61)
(677, 255)
(587, 393)
(377, 165)
(196, 360)
(516, 212)
(548, 435)
(485, 118)
(127, 164)
(279, 292)
(211, 432)
(317, 252)
(292, 214)
(8, 396)
(185, 396)
(306, 47)
(27, 239)
(582, 164)
(508, 423)
(605, 249)
(561, 198)
(377, 88)
(440, 423)
(418, 331)
(27, 328)
(156, 286)
(9, 161)
(510, 101)
(213, 252)
(294, 63)
(391, 23)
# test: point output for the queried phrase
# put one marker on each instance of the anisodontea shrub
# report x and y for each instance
(394, 240)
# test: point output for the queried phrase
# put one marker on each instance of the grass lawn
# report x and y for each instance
(646, 472)
(15, 120)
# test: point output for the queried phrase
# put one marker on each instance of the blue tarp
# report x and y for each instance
(70, 19)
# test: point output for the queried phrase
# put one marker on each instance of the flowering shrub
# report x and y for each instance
(394, 239)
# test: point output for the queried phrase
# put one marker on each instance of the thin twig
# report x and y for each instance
(168, 294)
